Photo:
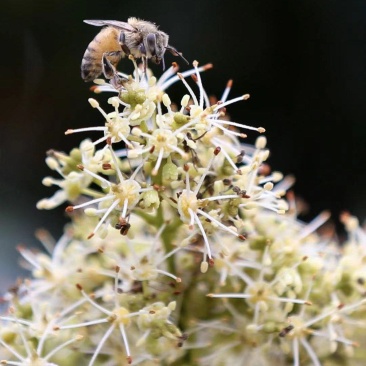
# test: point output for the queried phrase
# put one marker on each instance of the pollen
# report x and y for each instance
(120, 316)
(163, 140)
(187, 202)
(128, 190)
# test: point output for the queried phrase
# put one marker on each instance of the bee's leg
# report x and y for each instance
(109, 63)
(144, 62)
(142, 50)
(109, 70)
(111, 73)
(151, 44)
(122, 40)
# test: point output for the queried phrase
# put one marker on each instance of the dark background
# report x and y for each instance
(303, 62)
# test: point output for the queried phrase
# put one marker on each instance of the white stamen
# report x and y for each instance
(295, 347)
(110, 209)
(118, 170)
(217, 222)
(235, 124)
(97, 200)
(125, 206)
(314, 224)
(75, 130)
(101, 343)
(61, 346)
(226, 91)
(198, 221)
(158, 162)
(310, 352)
(193, 96)
(125, 341)
(238, 99)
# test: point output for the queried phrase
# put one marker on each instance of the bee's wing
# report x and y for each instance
(114, 23)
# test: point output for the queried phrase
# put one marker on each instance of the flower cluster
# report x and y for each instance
(183, 247)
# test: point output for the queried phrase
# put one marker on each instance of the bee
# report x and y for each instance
(139, 38)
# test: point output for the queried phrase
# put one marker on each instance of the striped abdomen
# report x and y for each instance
(104, 42)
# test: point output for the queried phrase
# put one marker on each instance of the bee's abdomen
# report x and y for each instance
(91, 64)
(106, 41)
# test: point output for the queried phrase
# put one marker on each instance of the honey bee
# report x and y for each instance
(139, 38)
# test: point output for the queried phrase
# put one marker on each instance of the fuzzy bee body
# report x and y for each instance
(140, 38)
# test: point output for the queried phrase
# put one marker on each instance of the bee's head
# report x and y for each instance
(155, 45)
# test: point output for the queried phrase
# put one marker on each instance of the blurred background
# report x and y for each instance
(303, 63)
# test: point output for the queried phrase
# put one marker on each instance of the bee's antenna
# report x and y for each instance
(174, 52)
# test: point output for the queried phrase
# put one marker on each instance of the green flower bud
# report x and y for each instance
(133, 97)
(258, 243)
(180, 119)
(170, 172)
(150, 200)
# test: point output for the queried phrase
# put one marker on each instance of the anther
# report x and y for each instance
(93, 103)
(125, 228)
(106, 166)
(240, 157)
(207, 67)
(236, 189)
(158, 188)
(286, 331)
(204, 267)
(95, 89)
